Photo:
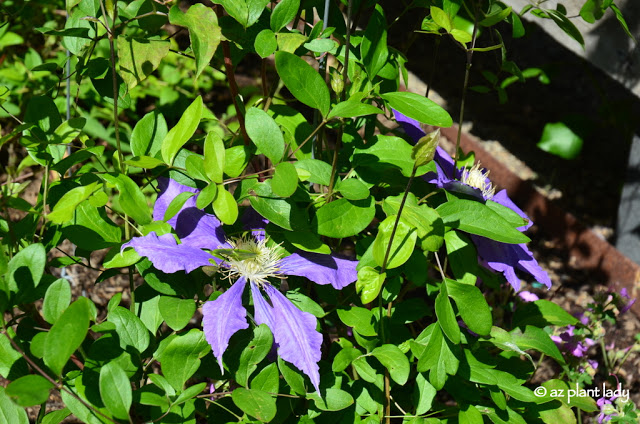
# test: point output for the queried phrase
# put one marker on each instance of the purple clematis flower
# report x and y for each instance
(494, 255)
(249, 259)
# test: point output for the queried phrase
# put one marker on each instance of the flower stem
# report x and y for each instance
(395, 224)
(233, 86)
(464, 86)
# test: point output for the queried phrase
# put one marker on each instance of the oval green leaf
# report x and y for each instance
(304, 82)
(419, 108)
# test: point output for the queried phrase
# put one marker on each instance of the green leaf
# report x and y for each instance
(477, 218)
(333, 400)
(344, 218)
(446, 316)
(369, 283)
(267, 380)
(566, 25)
(470, 415)
(121, 259)
(206, 196)
(56, 300)
(344, 358)
(63, 210)
(138, 58)
(536, 338)
(180, 359)
(462, 256)
(29, 390)
(560, 140)
(284, 13)
(236, 160)
(358, 318)
(319, 172)
(176, 204)
(254, 353)
(68, 130)
(255, 403)
(351, 109)
(373, 49)
(225, 206)
(131, 199)
(285, 179)
(507, 214)
(214, 157)
(56, 417)
(542, 313)
(176, 312)
(353, 189)
(26, 268)
(144, 162)
(115, 390)
(191, 392)
(438, 358)
(11, 362)
(265, 133)
(147, 135)
(395, 361)
(404, 241)
(304, 82)
(246, 12)
(441, 18)
(281, 212)
(623, 23)
(66, 335)
(425, 219)
(293, 378)
(387, 151)
(11, 413)
(148, 312)
(472, 306)
(307, 241)
(265, 43)
(495, 17)
(419, 108)
(426, 394)
(182, 132)
(130, 329)
(204, 31)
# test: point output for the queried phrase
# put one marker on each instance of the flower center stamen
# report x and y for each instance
(476, 177)
(255, 260)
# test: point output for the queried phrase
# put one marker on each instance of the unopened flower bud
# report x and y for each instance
(424, 151)
(337, 83)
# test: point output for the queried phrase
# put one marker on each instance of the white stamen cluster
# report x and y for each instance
(258, 268)
(476, 177)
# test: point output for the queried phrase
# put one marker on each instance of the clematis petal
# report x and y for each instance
(412, 127)
(320, 268)
(502, 198)
(295, 333)
(199, 229)
(223, 317)
(263, 312)
(169, 190)
(169, 256)
(505, 258)
(194, 227)
(252, 220)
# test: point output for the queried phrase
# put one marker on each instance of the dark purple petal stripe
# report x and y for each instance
(295, 333)
(223, 317)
